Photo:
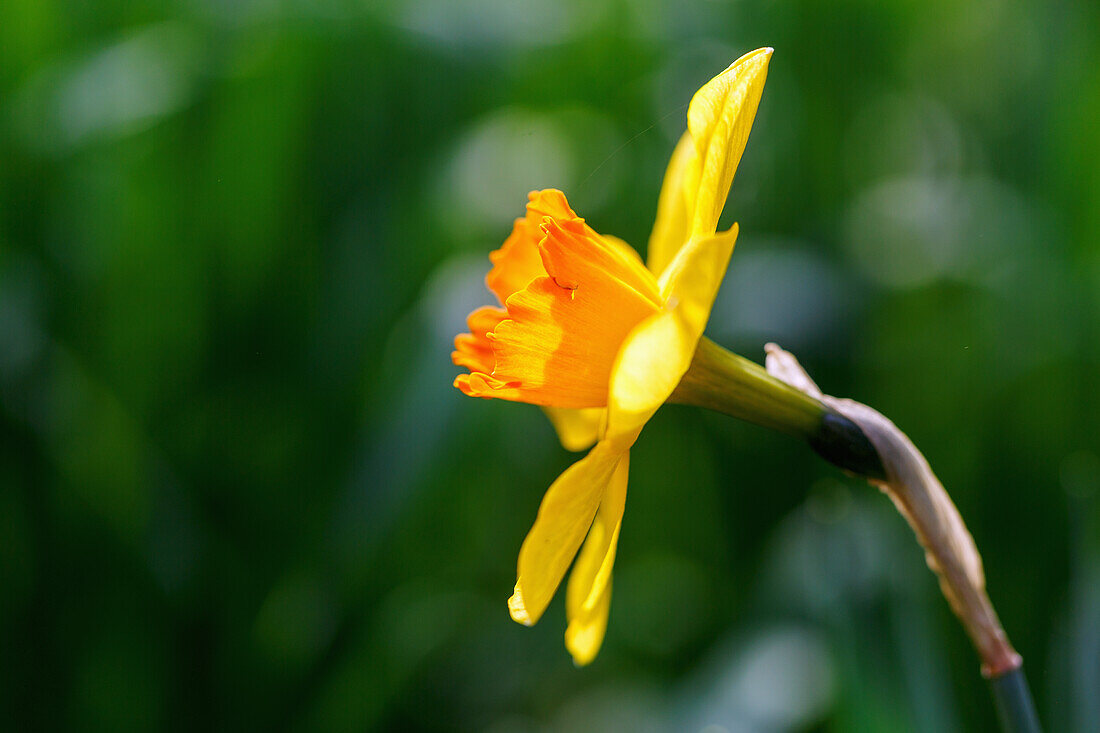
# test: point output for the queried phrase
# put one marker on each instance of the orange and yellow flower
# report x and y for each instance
(600, 340)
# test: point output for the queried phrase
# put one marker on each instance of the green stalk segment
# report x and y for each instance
(1012, 698)
(725, 382)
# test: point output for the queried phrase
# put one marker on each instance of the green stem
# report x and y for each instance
(1012, 698)
(725, 382)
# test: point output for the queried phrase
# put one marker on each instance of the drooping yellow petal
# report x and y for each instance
(588, 595)
(658, 351)
(720, 117)
(577, 429)
(673, 223)
(564, 518)
(584, 636)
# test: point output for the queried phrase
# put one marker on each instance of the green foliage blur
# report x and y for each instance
(238, 492)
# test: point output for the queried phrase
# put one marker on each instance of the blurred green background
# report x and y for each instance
(238, 491)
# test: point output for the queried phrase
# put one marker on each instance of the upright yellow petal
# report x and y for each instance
(649, 366)
(588, 596)
(720, 117)
(690, 282)
(671, 228)
(577, 429)
(659, 350)
(564, 517)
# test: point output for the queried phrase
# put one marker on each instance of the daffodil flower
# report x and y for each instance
(601, 340)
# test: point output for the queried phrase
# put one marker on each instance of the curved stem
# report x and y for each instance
(863, 441)
(949, 549)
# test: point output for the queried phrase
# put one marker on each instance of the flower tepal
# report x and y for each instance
(600, 341)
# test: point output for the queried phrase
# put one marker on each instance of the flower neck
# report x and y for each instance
(722, 381)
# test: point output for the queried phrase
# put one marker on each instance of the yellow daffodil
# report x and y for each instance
(601, 340)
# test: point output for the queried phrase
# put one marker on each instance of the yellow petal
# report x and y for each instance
(588, 596)
(658, 351)
(690, 282)
(649, 367)
(577, 429)
(670, 230)
(564, 518)
(624, 248)
(584, 637)
(719, 119)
